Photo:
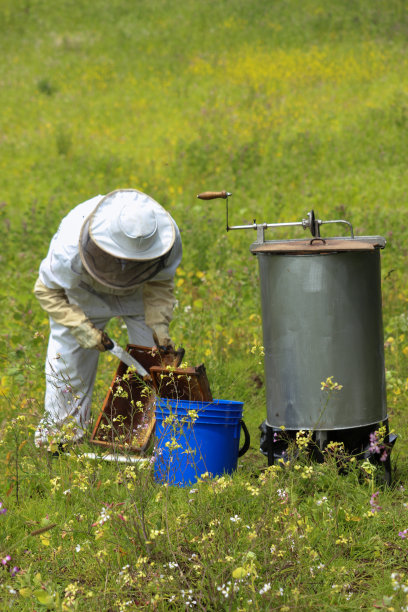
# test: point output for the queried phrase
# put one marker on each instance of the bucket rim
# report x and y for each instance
(215, 403)
(215, 421)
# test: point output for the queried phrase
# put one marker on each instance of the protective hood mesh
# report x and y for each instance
(114, 272)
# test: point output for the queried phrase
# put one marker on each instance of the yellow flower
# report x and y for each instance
(307, 472)
(330, 385)
(239, 572)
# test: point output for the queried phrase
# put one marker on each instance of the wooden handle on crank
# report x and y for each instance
(212, 195)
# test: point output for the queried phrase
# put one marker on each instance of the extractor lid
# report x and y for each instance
(318, 245)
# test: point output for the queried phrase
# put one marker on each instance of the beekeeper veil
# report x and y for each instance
(126, 240)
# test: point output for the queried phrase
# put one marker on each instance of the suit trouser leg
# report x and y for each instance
(70, 373)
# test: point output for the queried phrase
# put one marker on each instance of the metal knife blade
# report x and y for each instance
(130, 361)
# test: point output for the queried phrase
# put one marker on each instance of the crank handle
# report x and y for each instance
(213, 195)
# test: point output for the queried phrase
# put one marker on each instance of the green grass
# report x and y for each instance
(290, 106)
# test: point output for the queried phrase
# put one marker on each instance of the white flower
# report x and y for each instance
(235, 518)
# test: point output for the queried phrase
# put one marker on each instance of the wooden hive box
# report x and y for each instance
(181, 383)
(127, 418)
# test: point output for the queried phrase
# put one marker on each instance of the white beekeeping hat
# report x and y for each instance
(127, 232)
(131, 225)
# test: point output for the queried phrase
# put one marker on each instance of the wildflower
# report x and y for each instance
(303, 438)
(235, 518)
(307, 472)
(225, 589)
(283, 494)
(2, 509)
(368, 467)
(188, 598)
(154, 533)
(374, 448)
(173, 444)
(251, 489)
(239, 572)
(343, 540)
(55, 483)
(335, 447)
(70, 593)
(14, 570)
(403, 534)
(377, 443)
(266, 587)
(6, 559)
(103, 517)
(374, 506)
(77, 547)
(397, 583)
(330, 385)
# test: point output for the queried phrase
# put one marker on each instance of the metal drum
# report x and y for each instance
(322, 317)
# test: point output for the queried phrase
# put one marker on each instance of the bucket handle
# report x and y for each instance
(247, 440)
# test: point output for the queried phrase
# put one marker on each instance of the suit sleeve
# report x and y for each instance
(56, 304)
(158, 296)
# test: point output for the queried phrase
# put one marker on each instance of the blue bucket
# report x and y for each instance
(189, 445)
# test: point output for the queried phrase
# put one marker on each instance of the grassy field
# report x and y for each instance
(291, 106)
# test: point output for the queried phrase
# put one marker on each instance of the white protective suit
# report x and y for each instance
(77, 304)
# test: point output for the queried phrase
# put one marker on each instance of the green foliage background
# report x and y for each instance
(289, 105)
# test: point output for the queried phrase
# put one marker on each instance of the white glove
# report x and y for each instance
(88, 336)
(161, 336)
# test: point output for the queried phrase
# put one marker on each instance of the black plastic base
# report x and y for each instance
(274, 444)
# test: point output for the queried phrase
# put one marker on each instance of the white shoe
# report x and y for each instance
(46, 436)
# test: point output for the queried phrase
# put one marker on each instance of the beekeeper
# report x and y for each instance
(113, 255)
